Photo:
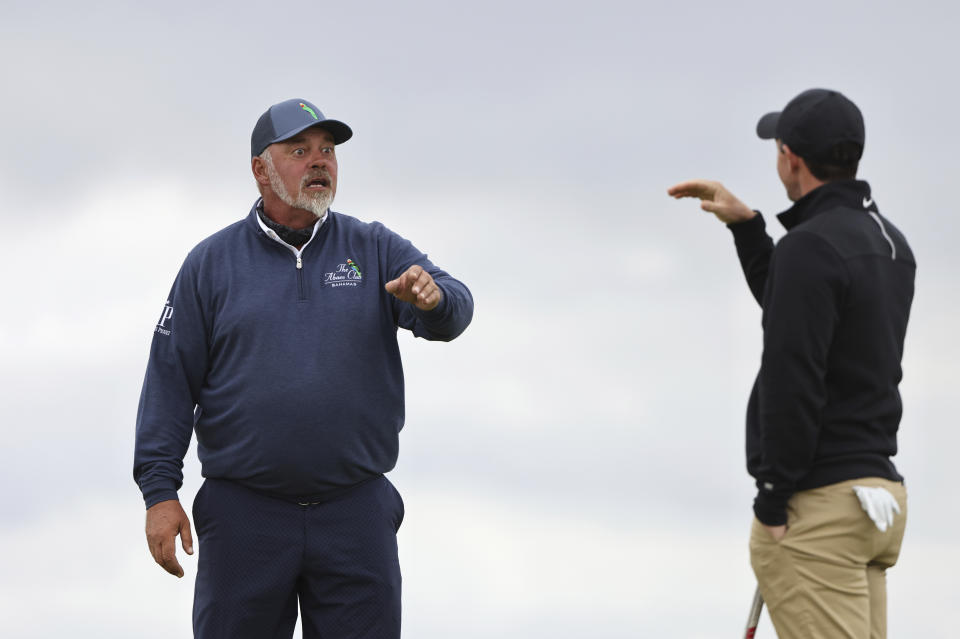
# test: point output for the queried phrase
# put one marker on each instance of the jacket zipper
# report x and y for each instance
(298, 254)
(300, 277)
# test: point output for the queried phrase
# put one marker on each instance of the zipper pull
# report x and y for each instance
(299, 263)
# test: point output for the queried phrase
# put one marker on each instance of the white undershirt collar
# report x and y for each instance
(273, 235)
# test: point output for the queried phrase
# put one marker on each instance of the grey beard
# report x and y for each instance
(316, 203)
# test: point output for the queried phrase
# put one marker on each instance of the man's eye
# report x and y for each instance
(328, 149)
(298, 151)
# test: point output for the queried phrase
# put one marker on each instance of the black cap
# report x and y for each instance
(815, 122)
(285, 119)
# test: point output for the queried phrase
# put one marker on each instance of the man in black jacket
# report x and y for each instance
(823, 416)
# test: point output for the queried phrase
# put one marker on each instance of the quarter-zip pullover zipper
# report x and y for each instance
(300, 276)
(298, 253)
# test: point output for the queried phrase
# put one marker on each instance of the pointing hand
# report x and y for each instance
(416, 287)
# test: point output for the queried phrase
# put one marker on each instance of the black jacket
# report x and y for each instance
(836, 294)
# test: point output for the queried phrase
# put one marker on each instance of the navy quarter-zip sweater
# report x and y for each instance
(289, 373)
(836, 294)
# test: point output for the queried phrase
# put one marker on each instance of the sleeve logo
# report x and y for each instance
(164, 317)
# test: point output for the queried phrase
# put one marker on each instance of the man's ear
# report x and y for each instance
(259, 168)
(793, 160)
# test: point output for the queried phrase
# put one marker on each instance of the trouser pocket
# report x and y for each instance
(772, 566)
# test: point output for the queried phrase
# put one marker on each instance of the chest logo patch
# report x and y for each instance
(346, 274)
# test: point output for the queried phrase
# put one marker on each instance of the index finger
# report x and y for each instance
(409, 278)
(414, 272)
(422, 281)
(690, 188)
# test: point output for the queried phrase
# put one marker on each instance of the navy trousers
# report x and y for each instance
(258, 556)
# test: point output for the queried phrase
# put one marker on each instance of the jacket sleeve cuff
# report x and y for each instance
(770, 508)
(451, 316)
(755, 227)
(158, 491)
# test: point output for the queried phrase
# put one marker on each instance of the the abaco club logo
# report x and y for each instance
(346, 274)
(164, 317)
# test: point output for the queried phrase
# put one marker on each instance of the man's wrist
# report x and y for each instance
(770, 509)
(745, 219)
(153, 497)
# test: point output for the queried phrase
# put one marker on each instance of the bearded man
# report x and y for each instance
(278, 347)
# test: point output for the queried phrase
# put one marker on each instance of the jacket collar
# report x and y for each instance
(259, 226)
(853, 194)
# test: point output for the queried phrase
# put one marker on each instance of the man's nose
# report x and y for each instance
(319, 160)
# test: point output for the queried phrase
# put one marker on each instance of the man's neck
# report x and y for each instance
(807, 182)
(282, 213)
(294, 237)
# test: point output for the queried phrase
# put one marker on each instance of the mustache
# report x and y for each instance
(321, 174)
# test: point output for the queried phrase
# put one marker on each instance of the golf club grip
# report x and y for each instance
(754, 617)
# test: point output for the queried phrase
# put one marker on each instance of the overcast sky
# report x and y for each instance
(573, 465)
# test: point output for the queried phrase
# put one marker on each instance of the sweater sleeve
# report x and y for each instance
(454, 312)
(171, 387)
(800, 315)
(754, 248)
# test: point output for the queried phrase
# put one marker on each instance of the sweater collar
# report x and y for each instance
(257, 223)
(846, 193)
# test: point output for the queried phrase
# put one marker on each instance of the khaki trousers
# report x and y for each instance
(826, 578)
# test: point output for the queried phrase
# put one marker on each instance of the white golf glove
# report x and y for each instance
(879, 504)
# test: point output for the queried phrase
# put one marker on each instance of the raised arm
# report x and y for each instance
(754, 246)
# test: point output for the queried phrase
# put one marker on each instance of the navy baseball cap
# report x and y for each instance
(815, 122)
(285, 119)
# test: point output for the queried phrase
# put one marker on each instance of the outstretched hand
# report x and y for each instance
(165, 520)
(714, 198)
(416, 287)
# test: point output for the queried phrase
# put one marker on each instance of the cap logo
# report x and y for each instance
(309, 110)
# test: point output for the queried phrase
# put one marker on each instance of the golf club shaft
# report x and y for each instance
(754, 617)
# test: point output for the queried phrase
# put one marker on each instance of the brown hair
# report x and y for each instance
(842, 164)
